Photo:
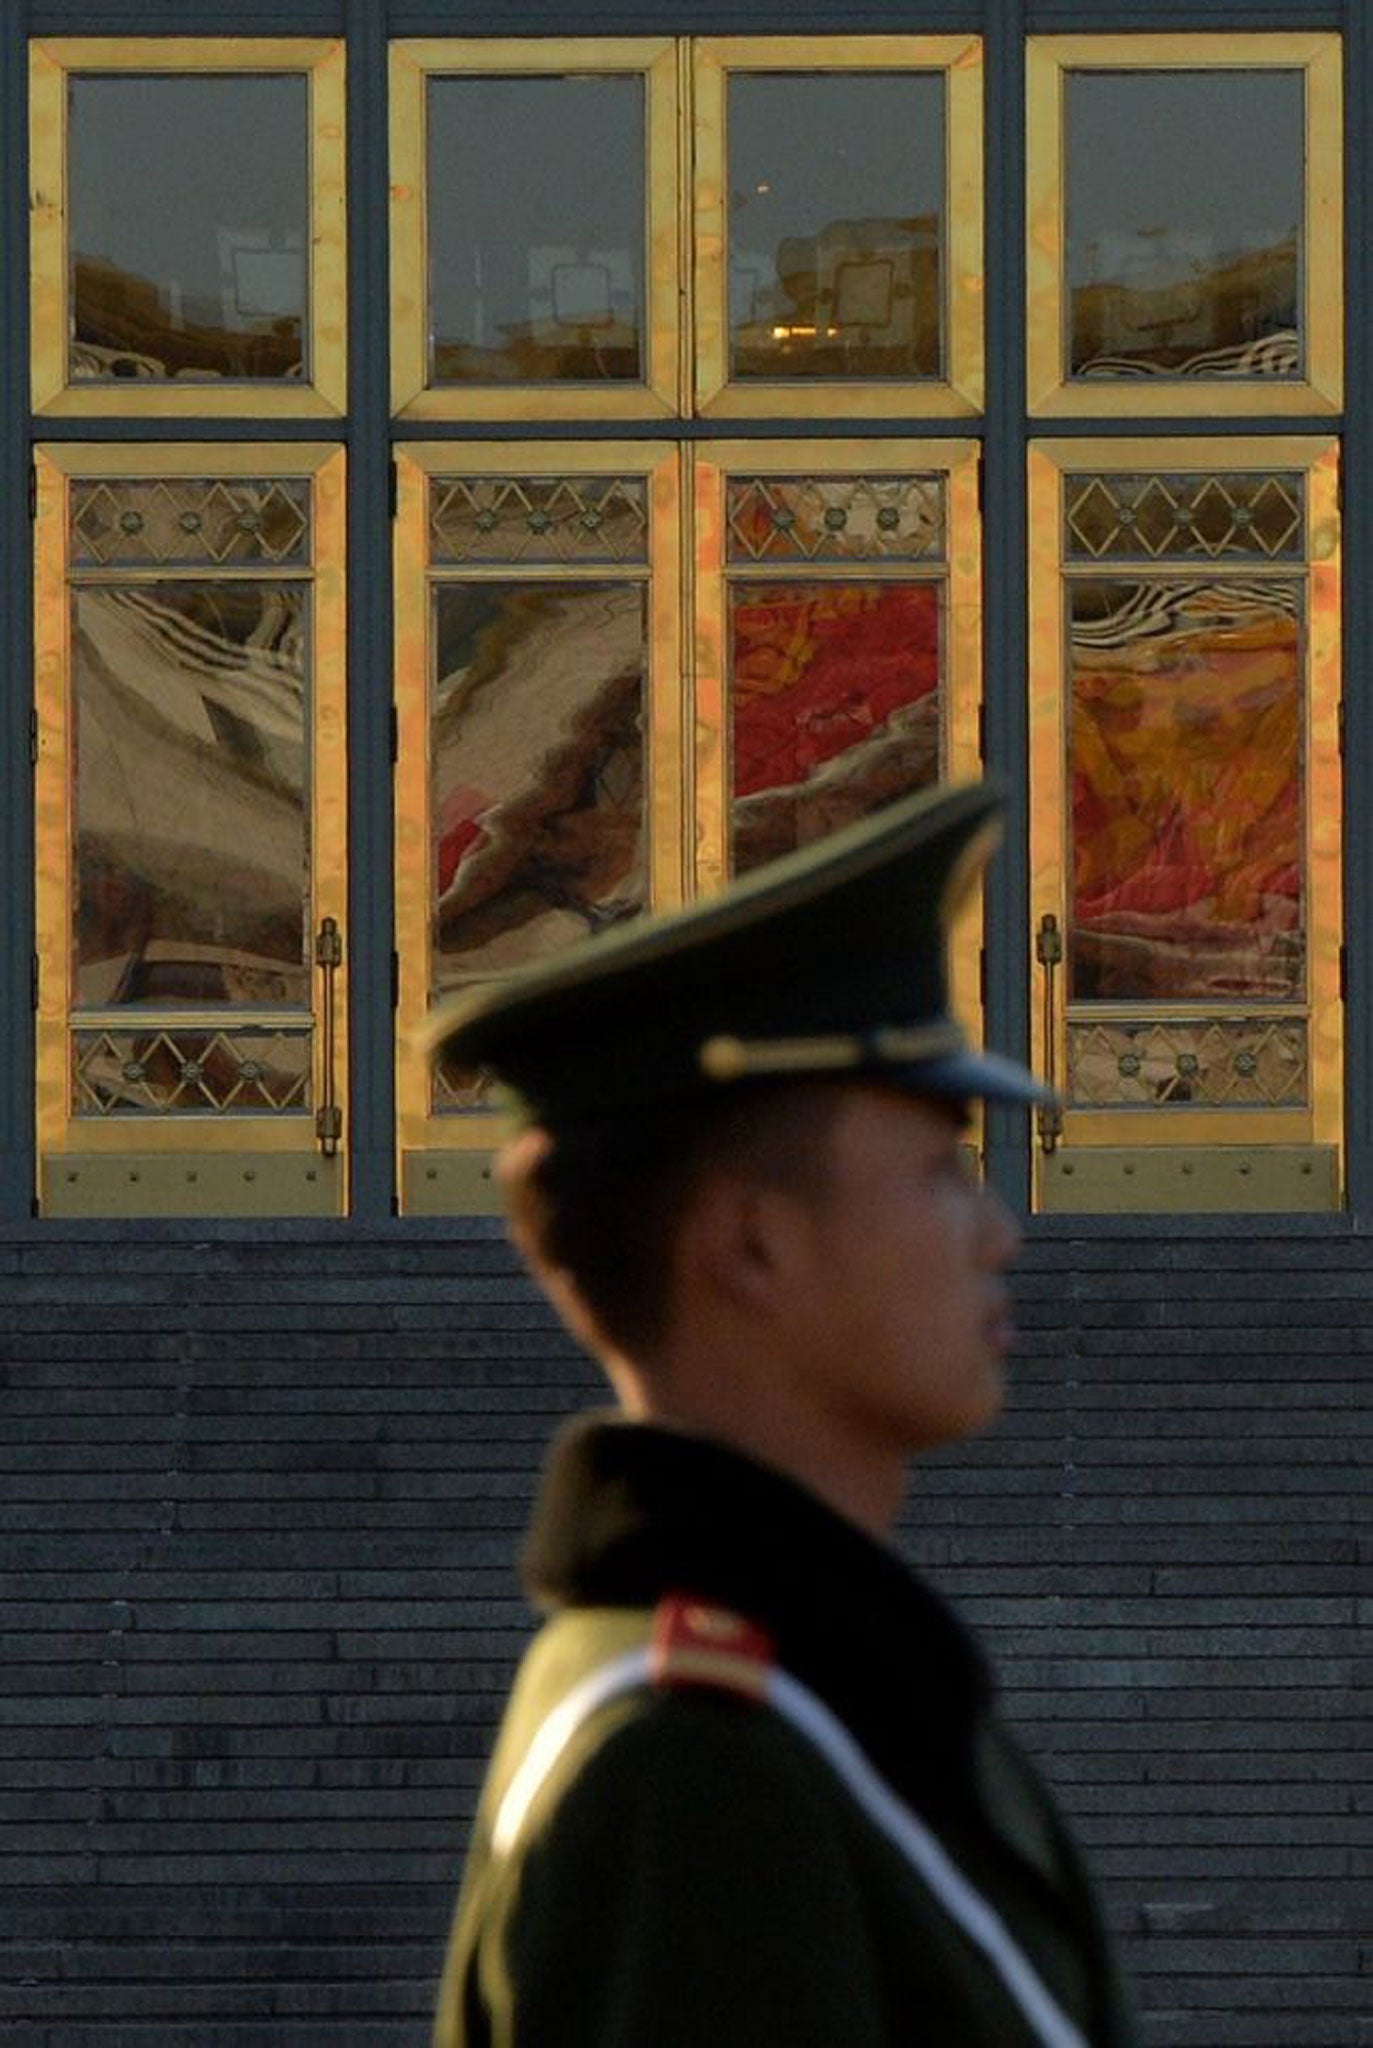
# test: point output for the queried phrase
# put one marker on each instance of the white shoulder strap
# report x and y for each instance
(813, 1719)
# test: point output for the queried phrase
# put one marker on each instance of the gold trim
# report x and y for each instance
(959, 58)
(154, 459)
(453, 1183)
(419, 1132)
(1048, 59)
(1279, 1179)
(1140, 1132)
(59, 1133)
(963, 724)
(709, 681)
(725, 1058)
(324, 393)
(257, 1183)
(412, 64)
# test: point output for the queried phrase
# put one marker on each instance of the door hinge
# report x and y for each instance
(392, 487)
(33, 490)
(394, 732)
(33, 980)
(395, 979)
(33, 739)
(1344, 973)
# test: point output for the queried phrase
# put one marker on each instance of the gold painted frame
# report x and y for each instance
(428, 1143)
(412, 64)
(1048, 60)
(64, 1140)
(325, 394)
(958, 461)
(1139, 1133)
(959, 59)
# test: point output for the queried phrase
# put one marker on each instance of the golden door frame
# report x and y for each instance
(959, 60)
(324, 394)
(192, 1164)
(1187, 1158)
(412, 65)
(1048, 61)
(444, 1160)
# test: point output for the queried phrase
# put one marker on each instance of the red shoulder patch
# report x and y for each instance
(697, 1643)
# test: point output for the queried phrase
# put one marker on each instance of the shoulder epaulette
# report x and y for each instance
(697, 1643)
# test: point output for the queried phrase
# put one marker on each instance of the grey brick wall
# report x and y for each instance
(257, 1610)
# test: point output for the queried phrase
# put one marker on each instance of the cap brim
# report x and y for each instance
(972, 1077)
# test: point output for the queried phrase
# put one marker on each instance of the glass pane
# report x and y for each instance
(834, 518)
(1185, 759)
(836, 213)
(1119, 517)
(536, 229)
(537, 774)
(1194, 1062)
(539, 519)
(1184, 223)
(836, 706)
(191, 807)
(171, 1071)
(189, 212)
(189, 521)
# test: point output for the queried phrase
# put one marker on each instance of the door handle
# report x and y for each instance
(1049, 954)
(328, 959)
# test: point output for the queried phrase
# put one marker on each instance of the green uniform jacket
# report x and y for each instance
(692, 1872)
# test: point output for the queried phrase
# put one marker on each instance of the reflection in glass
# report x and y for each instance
(834, 518)
(190, 799)
(1189, 1063)
(836, 207)
(136, 522)
(538, 520)
(1184, 223)
(189, 226)
(537, 790)
(177, 1071)
(836, 706)
(536, 229)
(1185, 758)
(1116, 516)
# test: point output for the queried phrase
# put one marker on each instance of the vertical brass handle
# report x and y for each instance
(1049, 954)
(328, 958)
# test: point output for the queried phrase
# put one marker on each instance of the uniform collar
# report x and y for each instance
(630, 1511)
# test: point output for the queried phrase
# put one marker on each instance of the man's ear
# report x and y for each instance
(749, 1242)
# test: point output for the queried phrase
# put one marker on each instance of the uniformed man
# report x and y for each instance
(751, 1791)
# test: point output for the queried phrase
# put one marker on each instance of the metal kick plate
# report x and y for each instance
(449, 1184)
(1180, 1180)
(190, 1184)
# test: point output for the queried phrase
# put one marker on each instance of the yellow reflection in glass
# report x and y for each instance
(1185, 752)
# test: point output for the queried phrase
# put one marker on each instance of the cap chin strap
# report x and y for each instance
(809, 1715)
(725, 1058)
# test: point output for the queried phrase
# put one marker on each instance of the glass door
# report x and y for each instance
(190, 798)
(1185, 817)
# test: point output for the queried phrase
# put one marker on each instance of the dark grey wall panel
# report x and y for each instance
(257, 1610)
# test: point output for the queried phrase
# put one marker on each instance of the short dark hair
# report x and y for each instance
(602, 1201)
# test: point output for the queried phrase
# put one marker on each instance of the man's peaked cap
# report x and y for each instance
(831, 960)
